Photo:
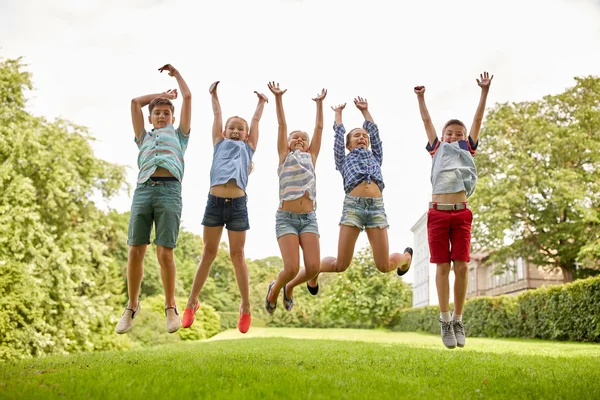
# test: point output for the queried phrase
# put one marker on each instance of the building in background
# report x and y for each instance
(484, 279)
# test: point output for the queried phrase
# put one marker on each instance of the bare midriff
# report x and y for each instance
(162, 172)
(301, 205)
(227, 190)
(365, 189)
(450, 198)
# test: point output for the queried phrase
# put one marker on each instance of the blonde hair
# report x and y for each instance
(297, 131)
(243, 120)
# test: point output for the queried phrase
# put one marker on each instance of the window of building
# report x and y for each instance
(520, 269)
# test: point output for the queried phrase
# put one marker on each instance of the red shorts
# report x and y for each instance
(449, 235)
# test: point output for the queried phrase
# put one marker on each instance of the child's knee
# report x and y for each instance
(312, 270)
(443, 269)
(136, 253)
(237, 255)
(164, 254)
(341, 266)
(461, 268)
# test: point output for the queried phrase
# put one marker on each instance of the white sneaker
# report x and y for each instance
(173, 321)
(448, 334)
(126, 321)
(459, 332)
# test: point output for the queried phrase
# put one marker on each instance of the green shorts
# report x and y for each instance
(155, 202)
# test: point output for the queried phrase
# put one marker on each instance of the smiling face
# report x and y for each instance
(236, 128)
(357, 137)
(298, 140)
(453, 131)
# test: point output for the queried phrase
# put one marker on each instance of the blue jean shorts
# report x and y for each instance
(364, 212)
(230, 212)
(291, 223)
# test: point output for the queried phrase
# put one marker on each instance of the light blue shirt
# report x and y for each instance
(231, 160)
(453, 169)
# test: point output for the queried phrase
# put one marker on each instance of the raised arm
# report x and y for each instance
(339, 145)
(185, 118)
(429, 128)
(315, 143)
(217, 130)
(484, 84)
(371, 128)
(282, 142)
(137, 117)
(253, 136)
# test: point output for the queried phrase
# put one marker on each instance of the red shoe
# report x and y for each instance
(188, 316)
(244, 321)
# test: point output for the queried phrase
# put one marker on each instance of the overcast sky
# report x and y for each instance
(90, 58)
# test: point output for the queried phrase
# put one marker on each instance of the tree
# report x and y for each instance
(58, 283)
(539, 175)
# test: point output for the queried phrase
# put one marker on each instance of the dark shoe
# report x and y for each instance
(313, 290)
(270, 307)
(409, 251)
(288, 304)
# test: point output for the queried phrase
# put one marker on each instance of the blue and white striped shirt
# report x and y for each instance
(163, 147)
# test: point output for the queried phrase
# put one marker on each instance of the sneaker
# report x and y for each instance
(173, 322)
(188, 315)
(459, 332)
(126, 321)
(448, 334)
(244, 321)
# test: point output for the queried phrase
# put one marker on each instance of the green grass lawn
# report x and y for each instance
(315, 364)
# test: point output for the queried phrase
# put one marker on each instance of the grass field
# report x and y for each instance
(315, 364)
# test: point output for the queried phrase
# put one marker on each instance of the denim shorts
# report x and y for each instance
(231, 212)
(292, 223)
(364, 212)
(155, 203)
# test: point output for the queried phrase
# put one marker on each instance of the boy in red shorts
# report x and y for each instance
(453, 178)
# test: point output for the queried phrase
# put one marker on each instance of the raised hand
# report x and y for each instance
(361, 103)
(168, 67)
(213, 88)
(486, 80)
(321, 95)
(338, 108)
(262, 97)
(420, 90)
(274, 88)
(170, 94)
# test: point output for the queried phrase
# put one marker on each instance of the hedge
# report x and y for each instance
(565, 312)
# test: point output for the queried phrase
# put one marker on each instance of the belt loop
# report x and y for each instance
(435, 206)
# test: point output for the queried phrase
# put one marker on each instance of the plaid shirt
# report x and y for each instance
(360, 164)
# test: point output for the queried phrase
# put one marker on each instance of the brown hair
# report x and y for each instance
(243, 120)
(454, 122)
(161, 100)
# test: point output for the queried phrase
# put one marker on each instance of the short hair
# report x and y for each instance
(454, 122)
(243, 120)
(161, 100)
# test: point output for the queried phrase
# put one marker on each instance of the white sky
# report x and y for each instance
(90, 58)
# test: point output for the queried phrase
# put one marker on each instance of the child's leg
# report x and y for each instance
(290, 253)
(167, 273)
(346, 242)
(443, 286)
(135, 273)
(385, 262)
(461, 271)
(237, 241)
(211, 238)
(312, 260)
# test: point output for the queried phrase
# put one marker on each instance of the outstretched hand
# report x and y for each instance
(168, 67)
(361, 103)
(485, 80)
(321, 96)
(274, 88)
(420, 90)
(262, 97)
(338, 108)
(170, 94)
(213, 88)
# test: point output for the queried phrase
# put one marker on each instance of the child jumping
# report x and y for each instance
(453, 178)
(363, 205)
(157, 197)
(234, 148)
(296, 221)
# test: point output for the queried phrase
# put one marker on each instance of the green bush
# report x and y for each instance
(565, 312)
